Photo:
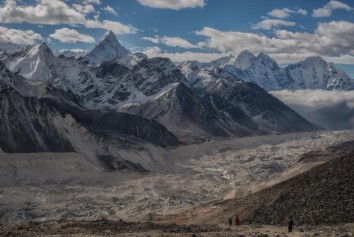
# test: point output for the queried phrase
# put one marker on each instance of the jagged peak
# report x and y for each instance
(264, 55)
(244, 59)
(107, 49)
(223, 61)
(246, 53)
(314, 59)
(110, 36)
(38, 49)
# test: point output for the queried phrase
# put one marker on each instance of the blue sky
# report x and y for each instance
(288, 31)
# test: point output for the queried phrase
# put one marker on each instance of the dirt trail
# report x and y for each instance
(121, 228)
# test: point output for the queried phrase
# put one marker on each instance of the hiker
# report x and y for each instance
(237, 220)
(290, 224)
(230, 221)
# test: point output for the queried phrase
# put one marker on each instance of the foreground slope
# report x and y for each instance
(322, 195)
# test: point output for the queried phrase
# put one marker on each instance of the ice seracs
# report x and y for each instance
(109, 48)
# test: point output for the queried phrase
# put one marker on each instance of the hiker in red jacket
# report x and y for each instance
(237, 220)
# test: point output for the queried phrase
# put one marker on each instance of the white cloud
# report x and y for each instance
(155, 40)
(173, 4)
(66, 35)
(314, 98)
(19, 36)
(98, 2)
(177, 42)
(114, 26)
(329, 8)
(110, 10)
(85, 9)
(77, 50)
(286, 12)
(171, 41)
(269, 24)
(332, 40)
(180, 57)
(54, 12)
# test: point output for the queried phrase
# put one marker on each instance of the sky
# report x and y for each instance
(203, 30)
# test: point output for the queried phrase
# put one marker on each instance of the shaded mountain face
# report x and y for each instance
(193, 116)
(108, 123)
(269, 113)
(109, 48)
(31, 124)
(27, 125)
(337, 117)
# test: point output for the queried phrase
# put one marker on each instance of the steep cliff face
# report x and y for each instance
(109, 48)
(262, 109)
(29, 124)
(192, 115)
(26, 125)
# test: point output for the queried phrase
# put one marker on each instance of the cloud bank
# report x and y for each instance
(331, 40)
(55, 12)
(315, 99)
(66, 35)
(19, 36)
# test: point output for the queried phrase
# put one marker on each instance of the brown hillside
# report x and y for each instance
(322, 195)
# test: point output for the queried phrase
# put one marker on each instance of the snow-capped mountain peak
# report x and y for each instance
(109, 48)
(38, 49)
(267, 60)
(31, 62)
(314, 60)
(244, 60)
(221, 62)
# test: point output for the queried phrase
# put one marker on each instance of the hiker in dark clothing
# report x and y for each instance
(230, 221)
(237, 220)
(290, 224)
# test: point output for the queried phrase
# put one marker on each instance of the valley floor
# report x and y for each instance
(47, 187)
(136, 229)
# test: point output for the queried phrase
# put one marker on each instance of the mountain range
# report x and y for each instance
(119, 96)
(133, 82)
(311, 73)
